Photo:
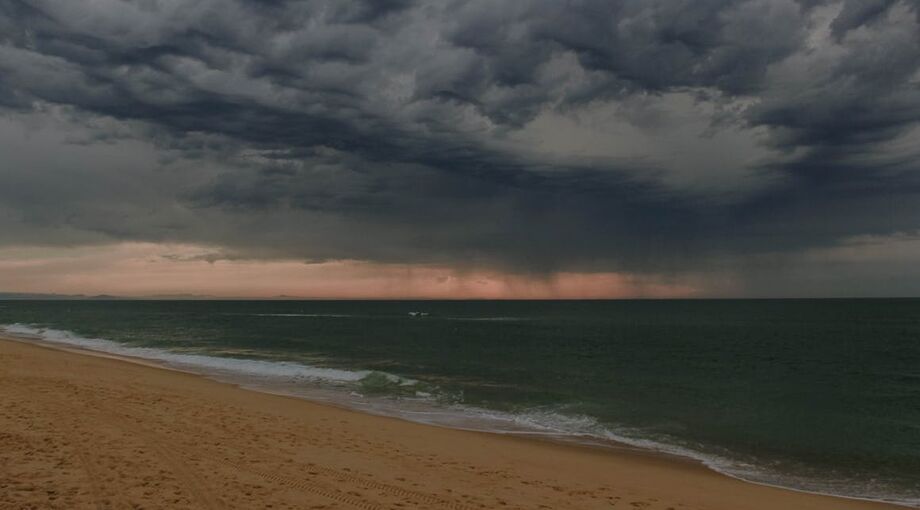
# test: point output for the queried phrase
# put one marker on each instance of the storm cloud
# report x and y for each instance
(648, 136)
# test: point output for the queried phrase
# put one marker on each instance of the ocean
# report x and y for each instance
(814, 395)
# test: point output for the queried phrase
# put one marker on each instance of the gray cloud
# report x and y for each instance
(405, 130)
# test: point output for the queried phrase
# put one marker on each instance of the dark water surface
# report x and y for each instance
(819, 395)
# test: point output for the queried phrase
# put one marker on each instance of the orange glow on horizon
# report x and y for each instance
(147, 269)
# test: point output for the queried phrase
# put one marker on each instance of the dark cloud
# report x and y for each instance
(857, 13)
(417, 131)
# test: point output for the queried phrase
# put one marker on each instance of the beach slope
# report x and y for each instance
(80, 431)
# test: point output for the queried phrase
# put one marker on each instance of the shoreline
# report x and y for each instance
(332, 398)
(647, 475)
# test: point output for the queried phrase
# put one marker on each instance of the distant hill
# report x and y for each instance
(25, 296)
(8, 296)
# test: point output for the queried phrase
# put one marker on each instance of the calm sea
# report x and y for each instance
(819, 395)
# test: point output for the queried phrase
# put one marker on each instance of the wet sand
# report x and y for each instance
(82, 431)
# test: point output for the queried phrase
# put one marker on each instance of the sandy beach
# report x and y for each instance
(82, 431)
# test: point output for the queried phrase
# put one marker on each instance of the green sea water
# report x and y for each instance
(820, 395)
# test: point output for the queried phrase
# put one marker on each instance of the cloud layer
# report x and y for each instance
(535, 136)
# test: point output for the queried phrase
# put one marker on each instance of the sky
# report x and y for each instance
(460, 149)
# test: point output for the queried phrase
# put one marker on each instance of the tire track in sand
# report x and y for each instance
(84, 440)
(93, 477)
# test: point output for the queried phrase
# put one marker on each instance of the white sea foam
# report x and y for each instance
(287, 370)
